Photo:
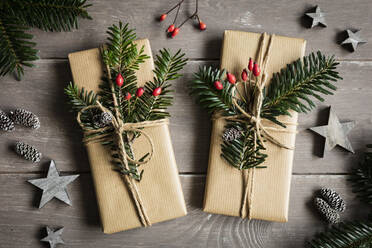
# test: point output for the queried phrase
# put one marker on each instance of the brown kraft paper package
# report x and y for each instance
(160, 186)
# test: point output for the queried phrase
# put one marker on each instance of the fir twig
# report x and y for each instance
(292, 87)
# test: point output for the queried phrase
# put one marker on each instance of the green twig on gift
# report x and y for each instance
(122, 55)
(290, 89)
(16, 17)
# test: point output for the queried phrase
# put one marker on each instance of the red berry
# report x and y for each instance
(202, 25)
(128, 96)
(231, 78)
(250, 64)
(218, 85)
(140, 92)
(162, 17)
(256, 70)
(244, 75)
(119, 80)
(156, 91)
(175, 32)
(171, 28)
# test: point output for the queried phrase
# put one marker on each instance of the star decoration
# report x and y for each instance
(354, 39)
(54, 237)
(335, 133)
(53, 185)
(318, 17)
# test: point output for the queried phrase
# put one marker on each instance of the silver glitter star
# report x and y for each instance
(318, 17)
(354, 39)
(335, 133)
(53, 185)
(54, 238)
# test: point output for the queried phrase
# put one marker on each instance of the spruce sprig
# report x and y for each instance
(293, 87)
(344, 235)
(17, 16)
(290, 89)
(123, 56)
(361, 178)
(213, 100)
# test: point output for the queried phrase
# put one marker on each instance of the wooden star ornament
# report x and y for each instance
(53, 185)
(353, 39)
(318, 17)
(335, 133)
(54, 237)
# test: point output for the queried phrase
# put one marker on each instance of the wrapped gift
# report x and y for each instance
(267, 188)
(159, 188)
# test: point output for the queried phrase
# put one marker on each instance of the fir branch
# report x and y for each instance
(361, 178)
(167, 67)
(16, 49)
(213, 100)
(292, 87)
(344, 235)
(79, 98)
(241, 152)
(48, 15)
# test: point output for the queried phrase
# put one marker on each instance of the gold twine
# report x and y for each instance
(119, 127)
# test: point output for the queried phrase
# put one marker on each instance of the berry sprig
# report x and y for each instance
(173, 29)
(250, 85)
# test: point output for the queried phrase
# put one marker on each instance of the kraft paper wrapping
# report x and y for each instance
(269, 186)
(160, 186)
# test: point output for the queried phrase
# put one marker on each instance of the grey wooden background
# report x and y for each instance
(22, 223)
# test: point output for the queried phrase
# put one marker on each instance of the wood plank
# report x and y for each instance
(22, 223)
(59, 137)
(282, 17)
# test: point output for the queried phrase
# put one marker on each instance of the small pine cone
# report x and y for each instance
(25, 118)
(28, 152)
(102, 120)
(334, 199)
(6, 124)
(231, 134)
(329, 214)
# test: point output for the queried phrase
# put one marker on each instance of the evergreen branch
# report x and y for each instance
(79, 98)
(241, 152)
(344, 235)
(167, 67)
(213, 100)
(48, 15)
(291, 88)
(361, 178)
(16, 49)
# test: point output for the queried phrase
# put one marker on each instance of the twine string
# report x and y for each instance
(119, 128)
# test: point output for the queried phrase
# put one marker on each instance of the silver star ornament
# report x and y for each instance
(54, 237)
(335, 133)
(53, 185)
(318, 17)
(353, 39)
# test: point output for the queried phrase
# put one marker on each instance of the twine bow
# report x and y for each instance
(119, 127)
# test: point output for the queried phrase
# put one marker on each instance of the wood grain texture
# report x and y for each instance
(59, 137)
(22, 224)
(282, 17)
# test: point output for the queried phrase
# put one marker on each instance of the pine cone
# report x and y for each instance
(25, 118)
(102, 120)
(329, 214)
(28, 152)
(6, 124)
(231, 134)
(334, 199)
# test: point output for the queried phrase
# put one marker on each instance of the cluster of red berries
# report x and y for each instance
(252, 68)
(120, 81)
(173, 30)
